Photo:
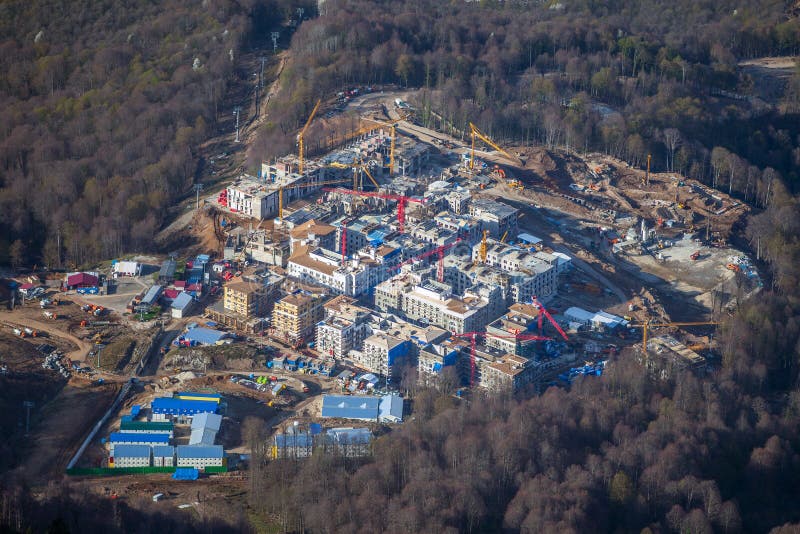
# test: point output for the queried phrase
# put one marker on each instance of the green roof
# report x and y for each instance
(150, 426)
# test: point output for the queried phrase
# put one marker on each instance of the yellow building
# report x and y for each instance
(295, 317)
(246, 298)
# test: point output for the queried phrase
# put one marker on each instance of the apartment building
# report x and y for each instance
(520, 319)
(509, 373)
(435, 358)
(314, 234)
(249, 299)
(496, 217)
(381, 354)
(344, 328)
(434, 302)
(353, 277)
(265, 247)
(295, 317)
(525, 274)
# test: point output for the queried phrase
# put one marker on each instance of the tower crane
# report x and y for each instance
(440, 250)
(301, 138)
(475, 132)
(482, 250)
(543, 311)
(474, 335)
(402, 201)
(649, 324)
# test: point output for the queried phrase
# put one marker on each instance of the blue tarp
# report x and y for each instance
(135, 409)
(186, 473)
(315, 428)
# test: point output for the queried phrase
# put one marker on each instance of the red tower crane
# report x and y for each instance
(543, 310)
(474, 335)
(402, 200)
(440, 250)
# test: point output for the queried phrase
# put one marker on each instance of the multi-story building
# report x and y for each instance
(458, 201)
(353, 277)
(314, 234)
(434, 302)
(344, 328)
(381, 354)
(496, 217)
(269, 248)
(520, 319)
(436, 358)
(524, 273)
(509, 373)
(295, 317)
(248, 299)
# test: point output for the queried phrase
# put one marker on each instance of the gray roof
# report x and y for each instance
(202, 436)
(182, 301)
(200, 451)
(152, 295)
(131, 451)
(299, 439)
(168, 269)
(363, 408)
(211, 421)
(346, 436)
(163, 451)
(391, 408)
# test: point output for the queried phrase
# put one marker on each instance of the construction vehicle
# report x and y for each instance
(301, 138)
(31, 332)
(476, 133)
(648, 324)
(733, 267)
(695, 255)
(20, 333)
(50, 315)
(98, 339)
(503, 239)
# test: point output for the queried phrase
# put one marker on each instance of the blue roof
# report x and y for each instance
(315, 428)
(391, 408)
(344, 436)
(200, 451)
(130, 437)
(182, 406)
(186, 473)
(300, 439)
(347, 407)
(152, 294)
(204, 336)
(131, 451)
(135, 409)
(182, 301)
(202, 436)
(162, 451)
(528, 238)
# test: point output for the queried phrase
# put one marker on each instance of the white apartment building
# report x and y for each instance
(344, 328)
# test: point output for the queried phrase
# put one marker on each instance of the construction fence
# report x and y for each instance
(111, 471)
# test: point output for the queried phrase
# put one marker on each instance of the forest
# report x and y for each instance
(102, 107)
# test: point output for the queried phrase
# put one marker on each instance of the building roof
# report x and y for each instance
(296, 299)
(162, 451)
(155, 427)
(307, 261)
(152, 294)
(210, 421)
(528, 238)
(347, 407)
(131, 451)
(243, 287)
(129, 437)
(204, 336)
(168, 268)
(195, 395)
(182, 301)
(171, 294)
(312, 227)
(200, 451)
(171, 404)
(391, 408)
(202, 436)
(82, 279)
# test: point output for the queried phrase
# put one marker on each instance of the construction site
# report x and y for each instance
(378, 248)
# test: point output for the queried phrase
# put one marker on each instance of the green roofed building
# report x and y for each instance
(147, 427)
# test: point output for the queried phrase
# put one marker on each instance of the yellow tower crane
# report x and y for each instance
(475, 132)
(301, 137)
(649, 324)
(483, 247)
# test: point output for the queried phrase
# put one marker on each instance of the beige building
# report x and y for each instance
(381, 354)
(295, 316)
(344, 328)
(507, 373)
(248, 299)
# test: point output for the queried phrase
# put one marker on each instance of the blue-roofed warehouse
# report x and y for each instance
(200, 336)
(129, 456)
(200, 456)
(341, 406)
(164, 406)
(137, 438)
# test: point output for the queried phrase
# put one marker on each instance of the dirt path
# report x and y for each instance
(76, 355)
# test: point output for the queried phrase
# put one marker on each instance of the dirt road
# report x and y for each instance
(77, 355)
